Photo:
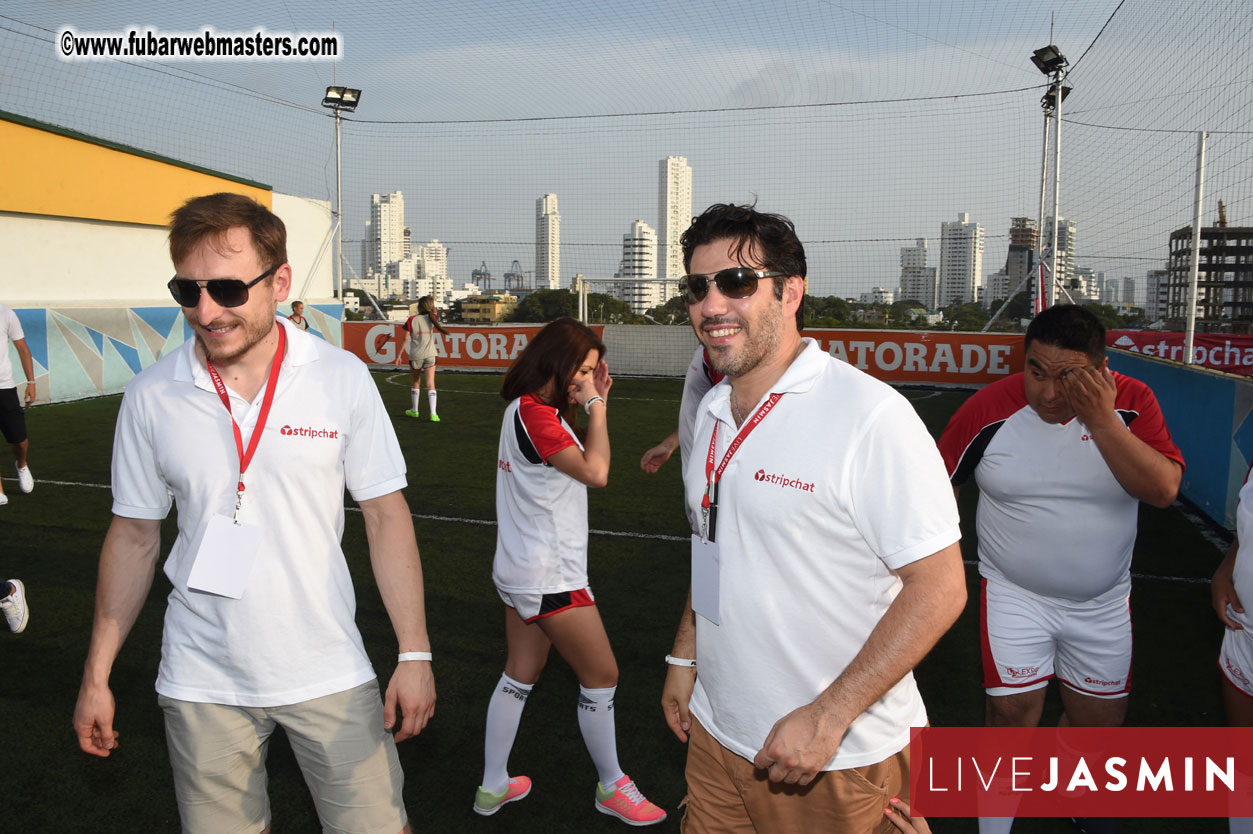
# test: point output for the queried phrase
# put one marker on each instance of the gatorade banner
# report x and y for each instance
(1220, 351)
(485, 348)
(926, 356)
(1081, 771)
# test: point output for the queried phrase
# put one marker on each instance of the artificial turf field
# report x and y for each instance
(638, 566)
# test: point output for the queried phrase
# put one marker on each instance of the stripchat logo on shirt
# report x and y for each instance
(783, 481)
(307, 431)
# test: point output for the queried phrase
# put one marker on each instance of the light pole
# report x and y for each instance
(1050, 61)
(340, 99)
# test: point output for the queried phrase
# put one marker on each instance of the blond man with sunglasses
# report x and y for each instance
(259, 626)
(826, 563)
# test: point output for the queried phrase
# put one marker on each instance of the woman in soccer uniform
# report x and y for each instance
(421, 329)
(545, 465)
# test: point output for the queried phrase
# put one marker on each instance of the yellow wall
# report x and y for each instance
(51, 173)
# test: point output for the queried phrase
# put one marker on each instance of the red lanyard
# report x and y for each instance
(245, 457)
(712, 476)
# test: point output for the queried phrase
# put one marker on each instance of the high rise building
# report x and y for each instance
(384, 234)
(1066, 234)
(917, 279)
(961, 261)
(1023, 239)
(1156, 286)
(547, 243)
(1129, 288)
(675, 215)
(637, 272)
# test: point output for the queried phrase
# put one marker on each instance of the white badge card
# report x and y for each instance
(224, 561)
(706, 564)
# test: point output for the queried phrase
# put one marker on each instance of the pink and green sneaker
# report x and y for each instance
(487, 803)
(625, 802)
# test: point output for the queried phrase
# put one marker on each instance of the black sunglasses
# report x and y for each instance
(225, 292)
(733, 282)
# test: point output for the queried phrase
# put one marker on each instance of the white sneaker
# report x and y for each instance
(14, 607)
(25, 481)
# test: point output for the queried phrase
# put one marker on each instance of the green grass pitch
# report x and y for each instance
(638, 566)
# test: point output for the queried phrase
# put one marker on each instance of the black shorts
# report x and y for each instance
(12, 417)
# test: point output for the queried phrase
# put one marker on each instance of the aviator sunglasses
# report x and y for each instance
(733, 282)
(225, 292)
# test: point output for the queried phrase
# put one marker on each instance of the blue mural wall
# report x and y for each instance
(1208, 413)
(81, 352)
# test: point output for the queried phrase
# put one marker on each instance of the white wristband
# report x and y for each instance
(587, 406)
(403, 656)
(680, 661)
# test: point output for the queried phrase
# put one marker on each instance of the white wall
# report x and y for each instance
(67, 262)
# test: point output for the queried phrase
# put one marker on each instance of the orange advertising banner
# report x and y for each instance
(485, 348)
(926, 356)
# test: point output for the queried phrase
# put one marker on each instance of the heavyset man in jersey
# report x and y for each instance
(1063, 453)
(813, 596)
(259, 627)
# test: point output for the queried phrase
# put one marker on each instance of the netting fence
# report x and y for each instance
(868, 125)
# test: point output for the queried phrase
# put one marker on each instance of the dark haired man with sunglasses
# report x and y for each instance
(826, 565)
(259, 628)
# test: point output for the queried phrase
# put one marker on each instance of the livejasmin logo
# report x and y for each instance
(304, 431)
(780, 480)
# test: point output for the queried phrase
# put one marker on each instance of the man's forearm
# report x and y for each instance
(127, 563)
(397, 568)
(932, 596)
(685, 637)
(1141, 470)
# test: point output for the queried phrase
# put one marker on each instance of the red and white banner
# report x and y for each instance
(486, 348)
(1082, 771)
(1220, 351)
(926, 356)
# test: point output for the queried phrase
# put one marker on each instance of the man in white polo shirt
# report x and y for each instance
(1063, 455)
(12, 417)
(259, 628)
(813, 595)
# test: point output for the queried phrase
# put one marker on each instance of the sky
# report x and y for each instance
(869, 124)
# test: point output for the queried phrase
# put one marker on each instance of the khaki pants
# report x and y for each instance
(727, 795)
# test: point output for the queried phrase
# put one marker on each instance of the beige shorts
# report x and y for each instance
(727, 795)
(349, 762)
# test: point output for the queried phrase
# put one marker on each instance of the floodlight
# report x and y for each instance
(1049, 100)
(341, 98)
(1049, 59)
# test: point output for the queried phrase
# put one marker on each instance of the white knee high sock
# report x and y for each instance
(430, 399)
(413, 398)
(596, 724)
(504, 713)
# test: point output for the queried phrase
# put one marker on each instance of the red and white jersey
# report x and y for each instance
(1052, 518)
(541, 513)
(700, 377)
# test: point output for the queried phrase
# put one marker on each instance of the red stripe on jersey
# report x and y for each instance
(544, 426)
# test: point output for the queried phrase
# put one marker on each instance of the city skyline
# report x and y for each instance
(865, 126)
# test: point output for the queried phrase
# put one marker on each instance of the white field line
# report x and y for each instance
(486, 522)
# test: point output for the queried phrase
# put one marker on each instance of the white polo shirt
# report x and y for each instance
(700, 377)
(838, 487)
(541, 512)
(10, 331)
(291, 637)
(1053, 520)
